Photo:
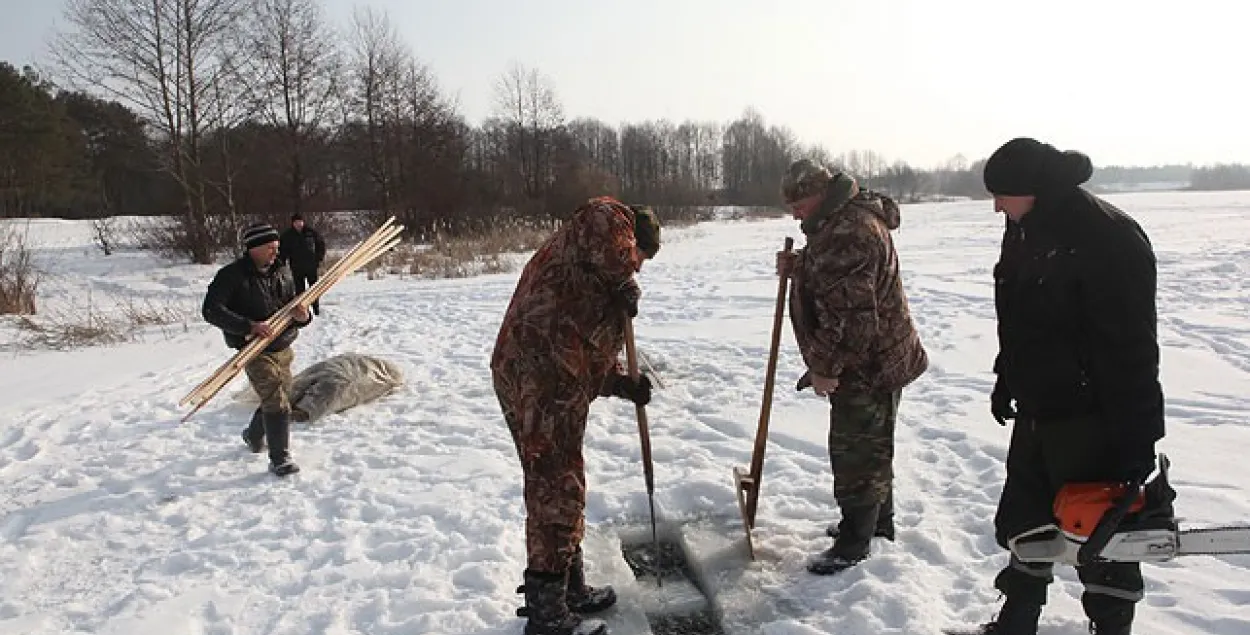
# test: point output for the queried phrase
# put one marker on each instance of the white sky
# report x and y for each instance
(1128, 82)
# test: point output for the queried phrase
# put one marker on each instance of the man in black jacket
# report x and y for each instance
(303, 249)
(1077, 367)
(241, 297)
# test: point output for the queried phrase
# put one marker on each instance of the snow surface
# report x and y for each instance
(407, 518)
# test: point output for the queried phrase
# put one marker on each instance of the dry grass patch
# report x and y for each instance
(460, 256)
(127, 319)
(19, 277)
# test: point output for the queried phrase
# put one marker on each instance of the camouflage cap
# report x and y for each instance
(804, 178)
(646, 229)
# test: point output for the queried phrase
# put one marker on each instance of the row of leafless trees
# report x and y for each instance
(213, 112)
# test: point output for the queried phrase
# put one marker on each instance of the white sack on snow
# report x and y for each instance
(336, 384)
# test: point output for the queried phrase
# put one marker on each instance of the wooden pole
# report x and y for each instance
(749, 482)
(644, 434)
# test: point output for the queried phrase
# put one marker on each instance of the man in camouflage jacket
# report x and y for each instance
(853, 326)
(556, 352)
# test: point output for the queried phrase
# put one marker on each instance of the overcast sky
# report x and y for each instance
(1123, 80)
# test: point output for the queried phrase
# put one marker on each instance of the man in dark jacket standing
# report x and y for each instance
(303, 249)
(1077, 366)
(853, 326)
(241, 297)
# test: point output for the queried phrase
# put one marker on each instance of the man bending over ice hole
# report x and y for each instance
(557, 351)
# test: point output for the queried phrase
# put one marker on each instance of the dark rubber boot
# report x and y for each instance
(547, 610)
(885, 521)
(583, 598)
(278, 431)
(1016, 618)
(852, 544)
(254, 435)
(1108, 615)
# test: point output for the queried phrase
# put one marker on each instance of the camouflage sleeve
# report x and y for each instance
(845, 297)
(607, 240)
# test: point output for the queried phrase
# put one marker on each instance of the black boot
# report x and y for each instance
(547, 609)
(254, 435)
(852, 544)
(885, 521)
(1016, 618)
(583, 598)
(1108, 615)
(278, 431)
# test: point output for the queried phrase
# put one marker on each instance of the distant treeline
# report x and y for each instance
(1233, 176)
(245, 109)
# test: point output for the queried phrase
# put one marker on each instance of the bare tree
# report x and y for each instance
(296, 63)
(526, 102)
(378, 59)
(167, 59)
(104, 231)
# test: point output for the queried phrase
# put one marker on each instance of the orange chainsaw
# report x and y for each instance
(1122, 522)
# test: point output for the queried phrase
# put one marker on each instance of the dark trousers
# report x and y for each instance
(305, 278)
(1041, 459)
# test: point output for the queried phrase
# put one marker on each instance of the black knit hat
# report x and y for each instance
(1028, 167)
(257, 234)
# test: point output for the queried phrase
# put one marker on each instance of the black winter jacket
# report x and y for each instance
(303, 249)
(1075, 296)
(241, 294)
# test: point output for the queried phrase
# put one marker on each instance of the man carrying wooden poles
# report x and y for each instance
(241, 297)
(556, 352)
(853, 326)
(366, 251)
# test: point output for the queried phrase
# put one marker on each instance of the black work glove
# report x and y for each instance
(804, 382)
(626, 297)
(637, 391)
(1000, 402)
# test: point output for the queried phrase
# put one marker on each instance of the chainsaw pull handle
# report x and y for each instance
(1108, 524)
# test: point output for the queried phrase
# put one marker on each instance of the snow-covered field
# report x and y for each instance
(407, 518)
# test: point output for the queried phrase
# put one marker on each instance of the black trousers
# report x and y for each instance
(1041, 458)
(305, 278)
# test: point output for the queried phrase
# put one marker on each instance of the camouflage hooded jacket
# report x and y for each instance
(848, 309)
(564, 315)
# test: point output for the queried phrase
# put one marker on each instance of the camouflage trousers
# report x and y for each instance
(547, 418)
(270, 376)
(861, 446)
